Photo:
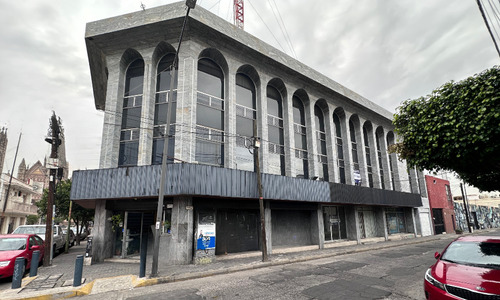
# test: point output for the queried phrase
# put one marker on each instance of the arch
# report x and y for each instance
(210, 107)
(246, 114)
(162, 49)
(133, 70)
(275, 93)
(338, 121)
(393, 170)
(251, 72)
(300, 133)
(321, 139)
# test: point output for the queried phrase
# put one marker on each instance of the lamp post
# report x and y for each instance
(161, 194)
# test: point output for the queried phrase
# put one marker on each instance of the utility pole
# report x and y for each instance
(487, 25)
(161, 193)
(466, 208)
(10, 182)
(54, 141)
(259, 187)
(69, 227)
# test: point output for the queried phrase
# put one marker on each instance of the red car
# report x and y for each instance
(469, 268)
(18, 245)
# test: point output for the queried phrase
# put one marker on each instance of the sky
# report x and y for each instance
(387, 51)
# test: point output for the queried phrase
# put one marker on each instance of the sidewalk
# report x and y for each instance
(55, 282)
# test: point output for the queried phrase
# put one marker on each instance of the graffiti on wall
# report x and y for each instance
(481, 217)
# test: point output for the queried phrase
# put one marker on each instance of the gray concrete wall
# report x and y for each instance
(102, 242)
(291, 228)
(352, 227)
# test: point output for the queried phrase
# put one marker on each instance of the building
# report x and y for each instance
(326, 172)
(18, 205)
(441, 205)
(3, 147)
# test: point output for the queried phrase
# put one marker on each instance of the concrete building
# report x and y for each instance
(18, 205)
(326, 172)
(441, 205)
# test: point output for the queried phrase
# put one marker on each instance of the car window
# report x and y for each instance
(474, 253)
(10, 244)
(32, 241)
(39, 240)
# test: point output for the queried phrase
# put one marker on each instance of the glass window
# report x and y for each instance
(210, 78)
(245, 116)
(301, 155)
(368, 157)
(131, 114)
(340, 149)
(276, 157)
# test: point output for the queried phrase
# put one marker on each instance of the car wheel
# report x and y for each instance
(54, 251)
(72, 243)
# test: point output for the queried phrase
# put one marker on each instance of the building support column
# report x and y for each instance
(102, 246)
(269, 227)
(317, 233)
(413, 210)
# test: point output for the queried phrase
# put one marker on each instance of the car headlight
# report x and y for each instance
(433, 281)
(4, 263)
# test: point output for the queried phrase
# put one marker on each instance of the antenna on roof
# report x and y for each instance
(143, 6)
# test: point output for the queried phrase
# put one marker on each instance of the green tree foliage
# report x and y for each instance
(456, 128)
(80, 216)
(31, 219)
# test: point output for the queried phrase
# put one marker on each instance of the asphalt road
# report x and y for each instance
(395, 273)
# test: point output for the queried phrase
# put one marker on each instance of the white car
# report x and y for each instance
(58, 241)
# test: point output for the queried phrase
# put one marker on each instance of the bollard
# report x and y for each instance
(34, 263)
(144, 251)
(18, 273)
(77, 278)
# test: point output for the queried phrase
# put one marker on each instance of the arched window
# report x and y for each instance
(131, 114)
(368, 158)
(299, 127)
(245, 115)
(161, 110)
(321, 142)
(390, 141)
(275, 132)
(340, 148)
(354, 150)
(210, 114)
(380, 140)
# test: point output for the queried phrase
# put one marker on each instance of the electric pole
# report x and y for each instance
(54, 140)
(466, 208)
(161, 193)
(259, 187)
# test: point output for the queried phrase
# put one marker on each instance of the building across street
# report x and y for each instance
(326, 172)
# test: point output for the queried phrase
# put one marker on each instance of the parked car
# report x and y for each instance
(468, 268)
(71, 237)
(13, 246)
(58, 241)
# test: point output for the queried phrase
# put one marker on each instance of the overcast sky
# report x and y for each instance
(385, 50)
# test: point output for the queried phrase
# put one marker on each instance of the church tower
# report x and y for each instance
(3, 146)
(21, 171)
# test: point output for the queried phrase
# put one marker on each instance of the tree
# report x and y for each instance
(80, 216)
(31, 219)
(456, 128)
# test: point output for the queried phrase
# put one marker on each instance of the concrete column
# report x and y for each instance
(413, 181)
(352, 224)
(147, 112)
(414, 221)
(346, 140)
(382, 223)
(312, 145)
(230, 118)
(102, 243)
(421, 184)
(269, 226)
(262, 122)
(385, 158)
(317, 232)
(372, 140)
(112, 116)
(289, 133)
(186, 107)
(331, 147)
(182, 230)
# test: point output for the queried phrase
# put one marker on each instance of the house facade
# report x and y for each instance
(326, 172)
(441, 205)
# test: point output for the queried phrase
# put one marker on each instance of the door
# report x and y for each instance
(437, 216)
(236, 231)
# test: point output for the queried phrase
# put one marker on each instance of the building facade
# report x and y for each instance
(326, 172)
(441, 205)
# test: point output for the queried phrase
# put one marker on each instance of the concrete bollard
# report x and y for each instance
(18, 273)
(144, 251)
(34, 263)
(77, 278)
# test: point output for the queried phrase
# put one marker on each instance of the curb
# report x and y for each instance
(135, 282)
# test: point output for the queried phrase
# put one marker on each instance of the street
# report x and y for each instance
(395, 273)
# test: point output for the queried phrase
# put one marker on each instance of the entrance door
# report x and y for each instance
(236, 231)
(437, 216)
(138, 228)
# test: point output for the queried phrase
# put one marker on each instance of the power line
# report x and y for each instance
(266, 26)
(487, 25)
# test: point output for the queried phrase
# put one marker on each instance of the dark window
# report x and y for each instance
(163, 80)
(379, 156)
(368, 157)
(210, 114)
(340, 150)
(301, 155)
(245, 116)
(321, 142)
(354, 145)
(131, 114)
(276, 158)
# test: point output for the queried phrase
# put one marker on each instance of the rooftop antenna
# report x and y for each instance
(143, 6)
(238, 14)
